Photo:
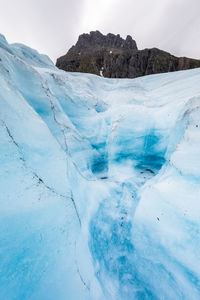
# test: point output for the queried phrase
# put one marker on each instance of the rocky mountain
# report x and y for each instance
(114, 57)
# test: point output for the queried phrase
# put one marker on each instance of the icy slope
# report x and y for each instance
(99, 183)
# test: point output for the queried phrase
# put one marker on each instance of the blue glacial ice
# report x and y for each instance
(99, 183)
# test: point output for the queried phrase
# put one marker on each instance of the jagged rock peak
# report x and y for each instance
(114, 57)
(95, 40)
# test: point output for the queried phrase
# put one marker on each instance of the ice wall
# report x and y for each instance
(99, 183)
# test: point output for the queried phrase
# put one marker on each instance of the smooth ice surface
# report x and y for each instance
(99, 183)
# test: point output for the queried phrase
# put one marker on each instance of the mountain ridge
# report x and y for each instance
(114, 57)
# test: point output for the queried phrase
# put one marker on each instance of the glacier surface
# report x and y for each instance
(99, 183)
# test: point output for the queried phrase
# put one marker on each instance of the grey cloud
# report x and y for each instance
(172, 25)
(47, 25)
(52, 26)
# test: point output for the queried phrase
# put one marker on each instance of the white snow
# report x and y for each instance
(101, 72)
(99, 181)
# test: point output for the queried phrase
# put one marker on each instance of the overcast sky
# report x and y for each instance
(53, 26)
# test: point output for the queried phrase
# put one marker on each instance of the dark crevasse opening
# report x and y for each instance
(147, 152)
(153, 155)
(150, 163)
(99, 165)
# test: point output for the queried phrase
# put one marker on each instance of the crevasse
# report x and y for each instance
(99, 181)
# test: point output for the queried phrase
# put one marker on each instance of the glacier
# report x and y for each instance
(99, 183)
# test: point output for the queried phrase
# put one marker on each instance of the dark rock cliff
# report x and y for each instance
(112, 56)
